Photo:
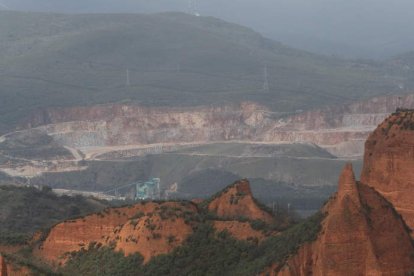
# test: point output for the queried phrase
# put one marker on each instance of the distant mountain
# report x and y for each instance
(406, 60)
(172, 59)
(364, 29)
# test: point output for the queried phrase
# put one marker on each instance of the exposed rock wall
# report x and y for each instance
(362, 232)
(149, 229)
(340, 129)
(361, 235)
(237, 201)
(389, 163)
(3, 266)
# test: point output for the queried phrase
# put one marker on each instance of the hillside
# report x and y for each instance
(125, 132)
(150, 229)
(361, 230)
(368, 225)
(278, 178)
(24, 211)
(34, 145)
(147, 229)
(156, 228)
(406, 60)
(114, 145)
(55, 60)
(368, 29)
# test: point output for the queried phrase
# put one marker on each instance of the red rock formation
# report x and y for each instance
(361, 235)
(151, 228)
(3, 266)
(237, 201)
(148, 228)
(389, 163)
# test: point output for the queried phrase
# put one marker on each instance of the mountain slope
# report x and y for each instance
(367, 228)
(53, 60)
(362, 234)
(368, 29)
(26, 210)
(358, 232)
(155, 228)
(388, 162)
(144, 228)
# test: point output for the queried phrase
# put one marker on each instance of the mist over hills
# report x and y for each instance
(194, 76)
(164, 110)
(364, 29)
(170, 59)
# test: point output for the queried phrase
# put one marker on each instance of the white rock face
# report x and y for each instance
(342, 130)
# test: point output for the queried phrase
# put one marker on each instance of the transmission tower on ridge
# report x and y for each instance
(265, 79)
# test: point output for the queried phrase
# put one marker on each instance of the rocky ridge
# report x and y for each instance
(237, 201)
(361, 234)
(365, 228)
(148, 228)
(389, 162)
(342, 130)
(120, 131)
(151, 228)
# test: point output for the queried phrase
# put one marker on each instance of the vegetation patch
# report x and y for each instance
(7, 238)
(103, 261)
(36, 268)
(23, 211)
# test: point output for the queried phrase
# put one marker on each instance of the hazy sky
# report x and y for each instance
(356, 28)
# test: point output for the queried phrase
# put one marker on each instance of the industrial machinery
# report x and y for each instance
(143, 190)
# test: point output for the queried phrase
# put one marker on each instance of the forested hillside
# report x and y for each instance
(171, 59)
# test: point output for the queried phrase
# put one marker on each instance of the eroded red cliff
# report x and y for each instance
(152, 228)
(147, 228)
(361, 234)
(389, 162)
(237, 201)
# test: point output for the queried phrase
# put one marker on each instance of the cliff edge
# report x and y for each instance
(362, 234)
(389, 162)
